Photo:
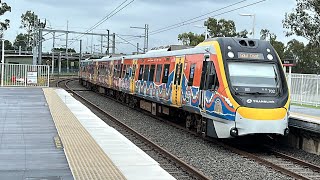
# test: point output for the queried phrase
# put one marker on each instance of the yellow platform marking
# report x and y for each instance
(305, 116)
(85, 157)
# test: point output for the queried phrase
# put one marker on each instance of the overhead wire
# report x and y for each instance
(128, 42)
(111, 14)
(184, 23)
(257, 2)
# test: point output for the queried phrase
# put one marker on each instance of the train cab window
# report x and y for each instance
(141, 72)
(165, 73)
(146, 73)
(151, 74)
(158, 73)
(191, 75)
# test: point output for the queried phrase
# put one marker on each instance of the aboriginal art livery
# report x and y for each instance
(224, 87)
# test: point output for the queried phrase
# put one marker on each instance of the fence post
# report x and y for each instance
(48, 74)
(25, 75)
(318, 77)
(301, 93)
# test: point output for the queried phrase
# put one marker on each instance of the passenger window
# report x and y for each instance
(212, 78)
(158, 73)
(140, 72)
(127, 71)
(191, 75)
(146, 73)
(134, 71)
(151, 74)
(120, 70)
(115, 70)
(123, 71)
(165, 73)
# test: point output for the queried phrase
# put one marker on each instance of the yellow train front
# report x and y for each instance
(223, 88)
(255, 96)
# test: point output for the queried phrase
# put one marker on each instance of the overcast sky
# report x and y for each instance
(83, 14)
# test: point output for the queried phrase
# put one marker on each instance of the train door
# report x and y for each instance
(133, 75)
(95, 73)
(203, 83)
(177, 81)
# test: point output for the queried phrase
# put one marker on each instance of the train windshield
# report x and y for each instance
(254, 78)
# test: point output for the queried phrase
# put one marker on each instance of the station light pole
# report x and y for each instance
(2, 62)
(146, 36)
(206, 30)
(253, 24)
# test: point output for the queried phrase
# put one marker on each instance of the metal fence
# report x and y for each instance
(24, 75)
(305, 89)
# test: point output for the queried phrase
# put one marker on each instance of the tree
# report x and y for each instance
(7, 45)
(70, 50)
(31, 22)
(304, 21)
(264, 33)
(21, 40)
(190, 39)
(216, 28)
(221, 28)
(243, 34)
(277, 45)
(4, 7)
(306, 57)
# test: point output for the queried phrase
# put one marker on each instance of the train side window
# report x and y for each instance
(212, 78)
(123, 72)
(165, 73)
(146, 73)
(134, 71)
(191, 75)
(158, 73)
(127, 71)
(115, 70)
(120, 70)
(151, 74)
(140, 72)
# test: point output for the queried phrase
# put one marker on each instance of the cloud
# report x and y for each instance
(158, 14)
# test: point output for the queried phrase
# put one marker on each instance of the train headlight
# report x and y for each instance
(268, 50)
(231, 54)
(229, 47)
(269, 56)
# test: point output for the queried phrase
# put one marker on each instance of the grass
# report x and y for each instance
(307, 106)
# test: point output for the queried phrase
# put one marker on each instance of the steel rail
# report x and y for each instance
(243, 152)
(189, 169)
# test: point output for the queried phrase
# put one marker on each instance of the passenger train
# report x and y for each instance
(224, 87)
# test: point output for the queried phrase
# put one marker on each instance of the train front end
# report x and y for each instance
(256, 86)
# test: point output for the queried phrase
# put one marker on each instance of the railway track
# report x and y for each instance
(283, 163)
(172, 164)
(266, 156)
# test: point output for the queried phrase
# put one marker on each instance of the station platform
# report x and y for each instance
(47, 134)
(305, 118)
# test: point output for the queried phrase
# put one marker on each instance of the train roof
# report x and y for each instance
(195, 50)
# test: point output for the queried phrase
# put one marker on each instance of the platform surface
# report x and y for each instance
(85, 157)
(130, 160)
(27, 148)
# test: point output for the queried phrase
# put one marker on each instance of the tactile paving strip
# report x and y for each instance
(85, 157)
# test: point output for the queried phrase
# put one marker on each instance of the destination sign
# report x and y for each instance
(245, 55)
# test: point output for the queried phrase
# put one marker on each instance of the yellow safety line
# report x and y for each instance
(85, 157)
